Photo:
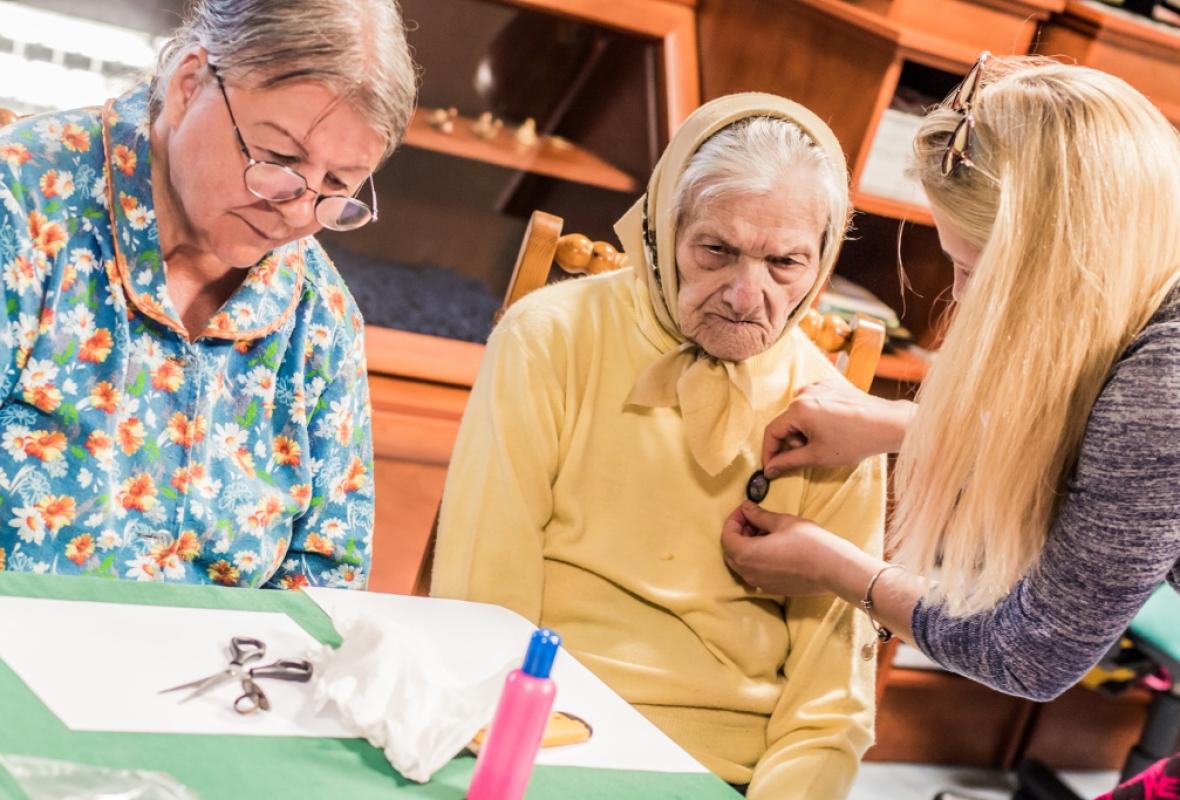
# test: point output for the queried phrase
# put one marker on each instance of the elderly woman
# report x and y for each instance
(183, 391)
(614, 425)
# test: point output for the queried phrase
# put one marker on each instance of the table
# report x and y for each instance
(262, 766)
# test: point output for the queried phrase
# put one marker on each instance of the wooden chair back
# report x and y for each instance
(856, 346)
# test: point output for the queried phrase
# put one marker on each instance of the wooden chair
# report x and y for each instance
(856, 346)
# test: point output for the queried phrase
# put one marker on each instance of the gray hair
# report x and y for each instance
(758, 156)
(356, 48)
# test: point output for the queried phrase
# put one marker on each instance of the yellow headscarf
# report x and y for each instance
(715, 397)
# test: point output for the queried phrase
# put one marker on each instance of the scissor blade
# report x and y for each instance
(204, 685)
(188, 685)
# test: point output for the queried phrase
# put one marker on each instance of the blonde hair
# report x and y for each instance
(758, 156)
(1072, 201)
(357, 48)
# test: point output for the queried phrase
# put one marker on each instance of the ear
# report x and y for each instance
(188, 78)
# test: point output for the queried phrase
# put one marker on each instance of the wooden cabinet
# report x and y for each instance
(1146, 54)
(603, 83)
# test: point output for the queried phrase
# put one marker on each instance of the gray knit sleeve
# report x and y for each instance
(1116, 538)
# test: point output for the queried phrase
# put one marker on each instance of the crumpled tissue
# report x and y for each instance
(389, 684)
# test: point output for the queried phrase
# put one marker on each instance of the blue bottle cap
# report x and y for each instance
(538, 661)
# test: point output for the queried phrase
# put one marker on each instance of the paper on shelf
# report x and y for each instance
(100, 666)
(890, 156)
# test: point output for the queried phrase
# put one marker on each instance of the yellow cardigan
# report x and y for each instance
(594, 520)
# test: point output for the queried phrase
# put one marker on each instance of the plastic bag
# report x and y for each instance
(50, 779)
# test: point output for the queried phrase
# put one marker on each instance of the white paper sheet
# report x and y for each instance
(476, 639)
(100, 666)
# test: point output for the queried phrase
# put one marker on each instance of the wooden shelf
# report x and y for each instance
(434, 359)
(902, 365)
(894, 209)
(1141, 51)
(566, 162)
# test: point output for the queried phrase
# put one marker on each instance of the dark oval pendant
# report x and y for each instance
(758, 487)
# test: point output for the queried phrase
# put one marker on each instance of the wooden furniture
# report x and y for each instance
(1143, 53)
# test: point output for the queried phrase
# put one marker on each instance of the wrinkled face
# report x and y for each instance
(961, 253)
(302, 125)
(745, 263)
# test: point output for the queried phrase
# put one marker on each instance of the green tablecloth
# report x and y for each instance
(261, 766)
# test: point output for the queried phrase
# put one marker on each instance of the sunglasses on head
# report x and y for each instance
(958, 148)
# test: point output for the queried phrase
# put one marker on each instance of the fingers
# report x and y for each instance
(761, 520)
(787, 460)
(781, 433)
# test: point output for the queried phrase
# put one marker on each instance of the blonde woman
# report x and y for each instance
(1040, 469)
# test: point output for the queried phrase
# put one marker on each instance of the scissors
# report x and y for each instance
(243, 651)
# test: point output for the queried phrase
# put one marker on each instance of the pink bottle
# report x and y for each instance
(506, 759)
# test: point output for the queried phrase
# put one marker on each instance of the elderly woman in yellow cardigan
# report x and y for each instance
(614, 425)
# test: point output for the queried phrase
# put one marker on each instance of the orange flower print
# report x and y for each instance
(169, 556)
(44, 396)
(287, 451)
(263, 273)
(138, 493)
(184, 431)
(263, 515)
(97, 347)
(48, 184)
(353, 479)
(187, 545)
(223, 572)
(98, 443)
(221, 323)
(75, 137)
(168, 376)
(46, 321)
(336, 301)
(48, 237)
(319, 544)
(295, 583)
(104, 396)
(57, 511)
(244, 461)
(242, 346)
(3, 559)
(15, 154)
(181, 478)
(125, 159)
(69, 278)
(80, 548)
(127, 202)
(21, 273)
(301, 494)
(131, 435)
(45, 445)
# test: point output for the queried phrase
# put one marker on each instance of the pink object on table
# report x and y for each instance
(506, 759)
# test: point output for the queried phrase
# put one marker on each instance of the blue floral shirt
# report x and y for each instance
(242, 457)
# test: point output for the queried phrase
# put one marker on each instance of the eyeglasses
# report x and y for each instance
(277, 183)
(958, 148)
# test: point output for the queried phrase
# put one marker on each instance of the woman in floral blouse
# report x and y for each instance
(183, 393)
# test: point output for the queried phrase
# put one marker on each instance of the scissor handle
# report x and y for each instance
(252, 698)
(244, 649)
(284, 670)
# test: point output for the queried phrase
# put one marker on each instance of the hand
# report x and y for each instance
(832, 424)
(784, 554)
